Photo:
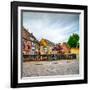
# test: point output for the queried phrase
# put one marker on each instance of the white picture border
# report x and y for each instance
(57, 77)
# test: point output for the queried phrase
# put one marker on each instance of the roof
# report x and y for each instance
(46, 42)
(28, 35)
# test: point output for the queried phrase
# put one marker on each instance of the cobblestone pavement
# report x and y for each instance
(48, 68)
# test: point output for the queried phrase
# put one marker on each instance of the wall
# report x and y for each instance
(5, 46)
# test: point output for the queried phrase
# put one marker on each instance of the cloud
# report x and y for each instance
(52, 26)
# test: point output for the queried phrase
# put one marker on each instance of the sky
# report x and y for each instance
(56, 27)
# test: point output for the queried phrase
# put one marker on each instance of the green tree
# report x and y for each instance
(73, 41)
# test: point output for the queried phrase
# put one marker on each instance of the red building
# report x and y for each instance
(30, 44)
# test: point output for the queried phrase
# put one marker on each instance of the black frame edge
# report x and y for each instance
(86, 44)
(47, 5)
(14, 46)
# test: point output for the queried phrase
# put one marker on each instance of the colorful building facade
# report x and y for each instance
(30, 45)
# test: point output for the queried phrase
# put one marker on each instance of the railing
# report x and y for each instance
(49, 57)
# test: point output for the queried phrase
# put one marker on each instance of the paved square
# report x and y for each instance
(48, 68)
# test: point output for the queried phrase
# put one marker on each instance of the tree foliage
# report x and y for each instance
(73, 41)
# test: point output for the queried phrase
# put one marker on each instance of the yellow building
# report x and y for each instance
(46, 46)
(74, 50)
